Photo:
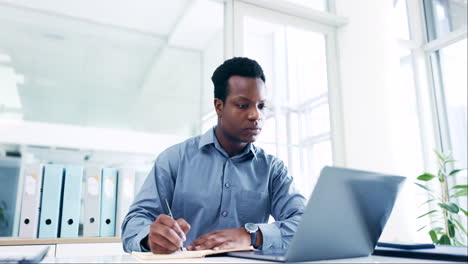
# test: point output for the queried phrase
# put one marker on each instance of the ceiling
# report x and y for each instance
(133, 65)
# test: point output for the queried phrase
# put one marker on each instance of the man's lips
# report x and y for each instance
(253, 129)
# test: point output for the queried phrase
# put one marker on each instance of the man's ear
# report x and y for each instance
(218, 104)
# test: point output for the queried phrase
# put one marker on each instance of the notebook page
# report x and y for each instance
(183, 254)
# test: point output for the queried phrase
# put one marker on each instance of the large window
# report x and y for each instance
(444, 16)
(434, 62)
(446, 23)
(450, 67)
(448, 62)
(294, 55)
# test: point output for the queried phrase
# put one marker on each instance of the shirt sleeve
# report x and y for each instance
(147, 206)
(287, 207)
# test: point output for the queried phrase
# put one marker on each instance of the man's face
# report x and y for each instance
(240, 118)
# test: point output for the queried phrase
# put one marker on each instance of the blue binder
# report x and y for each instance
(50, 201)
(108, 202)
(71, 201)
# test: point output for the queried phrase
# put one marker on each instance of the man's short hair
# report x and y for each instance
(239, 66)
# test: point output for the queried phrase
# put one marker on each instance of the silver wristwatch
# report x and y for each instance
(252, 230)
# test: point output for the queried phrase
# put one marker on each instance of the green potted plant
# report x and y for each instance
(444, 216)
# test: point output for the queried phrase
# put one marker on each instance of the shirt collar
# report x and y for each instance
(210, 138)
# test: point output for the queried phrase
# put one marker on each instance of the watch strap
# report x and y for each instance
(253, 238)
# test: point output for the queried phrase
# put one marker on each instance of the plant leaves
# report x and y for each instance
(428, 213)
(421, 228)
(439, 155)
(444, 240)
(460, 187)
(451, 207)
(433, 236)
(460, 226)
(428, 201)
(441, 167)
(464, 211)
(424, 187)
(426, 177)
(441, 179)
(460, 193)
(451, 229)
(455, 172)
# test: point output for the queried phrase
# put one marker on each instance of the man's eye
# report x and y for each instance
(262, 106)
(242, 106)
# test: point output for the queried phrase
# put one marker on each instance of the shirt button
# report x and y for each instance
(224, 213)
(227, 185)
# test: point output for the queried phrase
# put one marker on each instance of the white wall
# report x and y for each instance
(56, 135)
(380, 121)
(212, 57)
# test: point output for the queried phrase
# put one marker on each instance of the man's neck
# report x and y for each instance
(231, 148)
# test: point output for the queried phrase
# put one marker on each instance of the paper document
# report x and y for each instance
(184, 254)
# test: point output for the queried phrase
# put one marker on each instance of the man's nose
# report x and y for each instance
(254, 114)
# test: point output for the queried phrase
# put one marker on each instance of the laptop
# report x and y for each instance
(344, 217)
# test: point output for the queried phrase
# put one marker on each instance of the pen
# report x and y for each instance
(169, 212)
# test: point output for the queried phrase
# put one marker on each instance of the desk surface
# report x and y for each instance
(15, 241)
(130, 259)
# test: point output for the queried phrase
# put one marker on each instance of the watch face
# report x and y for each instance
(251, 227)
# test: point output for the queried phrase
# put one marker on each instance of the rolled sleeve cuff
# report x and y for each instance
(138, 239)
(271, 236)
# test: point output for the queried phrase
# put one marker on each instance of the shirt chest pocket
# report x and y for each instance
(252, 206)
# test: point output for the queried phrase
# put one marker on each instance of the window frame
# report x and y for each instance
(431, 107)
(325, 23)
(433, 120)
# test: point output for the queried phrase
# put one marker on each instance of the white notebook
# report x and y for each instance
(184, 254)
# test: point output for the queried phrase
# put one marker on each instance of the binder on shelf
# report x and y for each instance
(31, 200)
(92, 202)
(71, 201)
(125, 196)
(108, 202)
(49, 218)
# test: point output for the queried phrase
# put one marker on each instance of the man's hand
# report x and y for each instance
(167, 235)
(222, 239)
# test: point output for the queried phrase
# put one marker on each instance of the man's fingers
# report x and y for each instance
(157, 249)
(208, 242)
(196, 244)
(223, 246)
(159, 244)
(163, 244)
(163, 231)
(183, 225)
(200, 240)
(173, 224)
(222, 239)
(211, 243)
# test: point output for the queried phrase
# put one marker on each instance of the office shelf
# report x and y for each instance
(14, 241)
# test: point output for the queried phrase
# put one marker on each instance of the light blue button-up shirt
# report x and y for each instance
(213, 191)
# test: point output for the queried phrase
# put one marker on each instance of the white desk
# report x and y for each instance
(126, 258)
(87, 252)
